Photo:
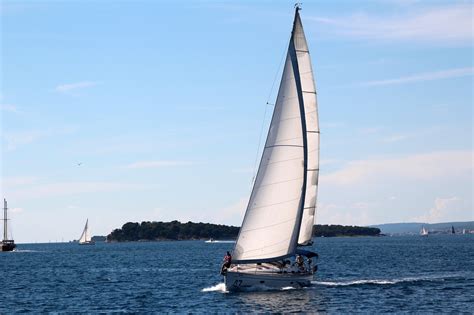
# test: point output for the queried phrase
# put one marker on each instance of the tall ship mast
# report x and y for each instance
(6, 244)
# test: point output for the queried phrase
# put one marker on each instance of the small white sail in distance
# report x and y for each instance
(85, 236)
(286, 181)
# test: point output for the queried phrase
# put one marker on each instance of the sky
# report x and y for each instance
(123, 111)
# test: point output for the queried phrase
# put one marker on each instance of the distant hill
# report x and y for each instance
(415, 227)
(175, 230)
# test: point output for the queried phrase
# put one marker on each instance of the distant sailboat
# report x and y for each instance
(280, 213)
(85, 238)
(424, 232)
(6, 244)
(452, 230)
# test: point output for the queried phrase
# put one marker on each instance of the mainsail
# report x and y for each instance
(284, 192)
(85, 236)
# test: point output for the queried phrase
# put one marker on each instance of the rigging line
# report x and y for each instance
(265, 113)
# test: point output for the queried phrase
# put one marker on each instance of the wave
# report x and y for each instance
(385, 281)
(219, 241)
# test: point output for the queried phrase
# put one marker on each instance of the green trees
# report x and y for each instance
(175, 230)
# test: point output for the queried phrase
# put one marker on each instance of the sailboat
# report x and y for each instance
(6, 244)
(85, 238)
(280, 213)
(424, 232)
(452, 230)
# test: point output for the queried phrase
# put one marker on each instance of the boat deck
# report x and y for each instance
(270, 268)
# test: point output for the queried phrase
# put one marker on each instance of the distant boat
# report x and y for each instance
(280, 214)
(211, 240)
(452, 230)
(85, 238)
(424, 232)
(6, 244)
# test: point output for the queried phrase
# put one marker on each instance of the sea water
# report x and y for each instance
(364, 274)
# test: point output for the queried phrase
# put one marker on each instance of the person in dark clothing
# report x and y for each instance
(226, 262)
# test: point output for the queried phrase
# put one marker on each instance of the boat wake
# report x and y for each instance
(385, 281)
(221, 288)
(219, 241)
(217, 288)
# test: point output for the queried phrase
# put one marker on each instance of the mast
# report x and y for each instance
(5, 233)
(296, 71)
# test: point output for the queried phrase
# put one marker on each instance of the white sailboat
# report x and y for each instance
(280, 214)
(85, 238)
(424, 232)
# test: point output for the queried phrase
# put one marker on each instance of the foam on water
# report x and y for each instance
(287, 288)
(26, 251)
(217, 288)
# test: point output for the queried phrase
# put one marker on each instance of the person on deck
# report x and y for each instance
(226, 262)
(299, 262)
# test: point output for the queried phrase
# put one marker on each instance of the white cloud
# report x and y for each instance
(439, 212)
(426, 76)
(334, 124)
(351, 214)
(436, 24)
(426, 166)
(157, 164)
(64, 88)
(9, 108)
(16, 210)
(18, 180)
(369, 130)
(16, 139)
(395, 138)
(233, 213)
(68, 188)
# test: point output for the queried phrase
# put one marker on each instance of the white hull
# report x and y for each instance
(235, 281)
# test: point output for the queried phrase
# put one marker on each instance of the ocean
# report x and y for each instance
(363, 274)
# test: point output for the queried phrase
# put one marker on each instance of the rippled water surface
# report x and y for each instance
(385, 274)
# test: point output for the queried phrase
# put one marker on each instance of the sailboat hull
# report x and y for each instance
(7, 246)
(236, 281)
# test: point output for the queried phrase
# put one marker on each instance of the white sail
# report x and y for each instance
(271, 225)
(312, 131)
(85, 236)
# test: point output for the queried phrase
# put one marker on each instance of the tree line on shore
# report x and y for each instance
(175, 230)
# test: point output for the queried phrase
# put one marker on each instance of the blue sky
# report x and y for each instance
(163, 102)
